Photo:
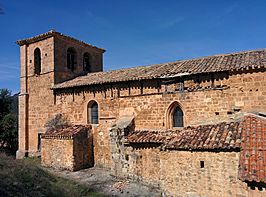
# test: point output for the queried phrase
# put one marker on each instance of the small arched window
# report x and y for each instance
(93, 113)
(37, 61)
(178, 117)
(86, 62)
(71, 58)
(174, 116)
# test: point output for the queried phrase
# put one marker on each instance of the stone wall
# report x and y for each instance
(203, 101)
(57, 153)
(67, 153)
(238, 93)
(62, 73)
(177, 173)
(37, 100)
(81, 151)
(181, 173)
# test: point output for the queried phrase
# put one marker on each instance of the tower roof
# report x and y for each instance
(53, 33)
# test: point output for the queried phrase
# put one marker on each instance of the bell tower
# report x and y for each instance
(45, 60)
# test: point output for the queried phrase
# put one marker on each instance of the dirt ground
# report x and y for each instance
(100, 180)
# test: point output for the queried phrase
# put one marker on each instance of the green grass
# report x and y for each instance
(26, 178)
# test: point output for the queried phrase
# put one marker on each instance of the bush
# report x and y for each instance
(57, 122)
(9, 134)
(8, 122)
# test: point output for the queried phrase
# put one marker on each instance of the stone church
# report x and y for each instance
(191, 127)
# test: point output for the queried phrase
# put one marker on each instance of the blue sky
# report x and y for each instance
(134, 32)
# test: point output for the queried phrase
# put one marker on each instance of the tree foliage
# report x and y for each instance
(56, 122)
(8, 122)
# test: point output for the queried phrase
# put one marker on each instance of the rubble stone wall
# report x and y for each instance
(58, 153)
(181, 173)
(177, 173)
(68, 153)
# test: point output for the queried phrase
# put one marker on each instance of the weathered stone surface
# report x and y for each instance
(177, 172)
(66, 151)
(204, 98)
(37, 100)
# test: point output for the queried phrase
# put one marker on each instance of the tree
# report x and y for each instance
(56, 122)
(8, 122)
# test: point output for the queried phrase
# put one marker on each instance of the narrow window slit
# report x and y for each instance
(201, 164)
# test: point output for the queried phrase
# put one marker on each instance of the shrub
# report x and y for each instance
(57, 122)
(8, 122)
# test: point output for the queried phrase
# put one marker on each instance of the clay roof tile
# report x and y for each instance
(216, 63)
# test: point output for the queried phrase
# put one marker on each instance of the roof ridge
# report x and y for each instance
(227, 54)
(185, 60)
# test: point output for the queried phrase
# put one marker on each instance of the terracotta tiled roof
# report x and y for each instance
(247, 136)
(149, 136)
(226, 62)
(66, 133)
(223, 136)
(51, 34)
(253, 150)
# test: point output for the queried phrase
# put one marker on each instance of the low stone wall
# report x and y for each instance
(177, 173)
(183, 173)
(201, 173)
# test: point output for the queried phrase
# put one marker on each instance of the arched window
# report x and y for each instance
(93, 113)
(174, 116)
(86, 62)
(37, 61)
(71, 58)
(178, 117)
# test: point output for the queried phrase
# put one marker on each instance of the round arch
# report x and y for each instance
(92, 112)
(37, 61)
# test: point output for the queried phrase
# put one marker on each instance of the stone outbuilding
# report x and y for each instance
(67, 148)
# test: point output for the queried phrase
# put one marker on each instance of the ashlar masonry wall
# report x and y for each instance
(37, 100)
(204, 100)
